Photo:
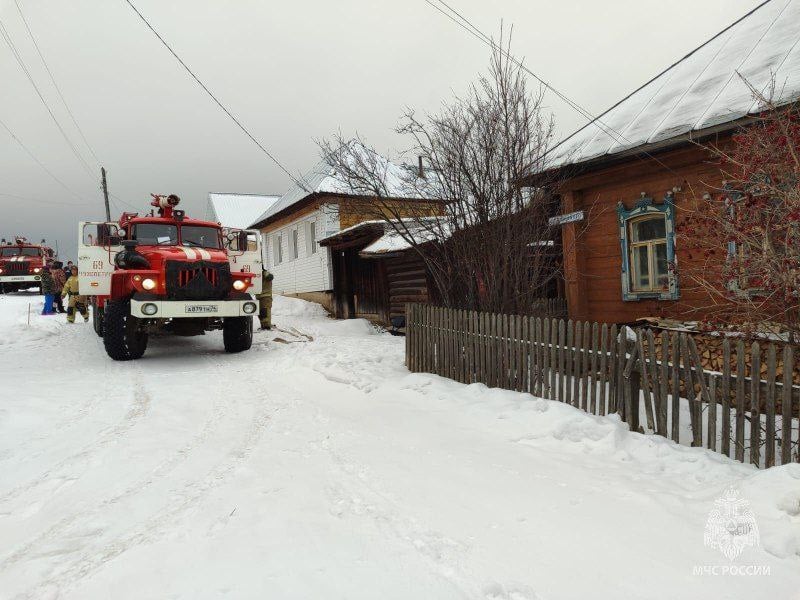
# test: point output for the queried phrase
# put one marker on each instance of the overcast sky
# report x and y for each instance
(293, 72)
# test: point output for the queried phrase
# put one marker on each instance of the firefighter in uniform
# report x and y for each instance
(76, 301)
(265, 300)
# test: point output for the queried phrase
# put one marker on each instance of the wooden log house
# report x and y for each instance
(374, 278)
(626, 179)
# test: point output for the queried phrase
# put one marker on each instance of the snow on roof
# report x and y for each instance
(361, 225)
(237, 210)
(398, 182)
(391, 240)
(704, 89)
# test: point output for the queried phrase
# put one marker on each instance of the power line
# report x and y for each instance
(460, 20)
(55, 85)
(468, 26)
(38, 162)
(214, 98)
(21, 63)
(126, 203)
(61, 95)
(37, 200)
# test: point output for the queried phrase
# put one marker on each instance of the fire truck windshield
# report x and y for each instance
(17, 251)
(205, 237)
(155, 234)
(164, 234)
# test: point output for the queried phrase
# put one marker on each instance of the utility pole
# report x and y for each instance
(105, 193)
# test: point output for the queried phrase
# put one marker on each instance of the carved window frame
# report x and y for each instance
(643, 207)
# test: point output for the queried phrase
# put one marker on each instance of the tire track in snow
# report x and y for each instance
(164, 468)
(137, 409)
(67, 421)
(356, 493)
(218, 411)
(192, 493)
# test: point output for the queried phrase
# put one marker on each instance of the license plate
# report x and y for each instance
(202, 308)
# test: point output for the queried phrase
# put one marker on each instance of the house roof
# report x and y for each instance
(704, 90)
(237, 210)
(385, 238)
(323, 179)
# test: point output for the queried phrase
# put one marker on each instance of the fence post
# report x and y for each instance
(409, 335)
(621, 382)
(676, 387)
(725, 446)
(645, 380)
(740, 376)
(769, 408)
(695, 410)
(786, 407)
(632, 385)
(755, 404)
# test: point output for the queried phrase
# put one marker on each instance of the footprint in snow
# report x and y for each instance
(496, 591)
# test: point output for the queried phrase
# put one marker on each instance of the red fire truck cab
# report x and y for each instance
(165, 272)
(21, 264)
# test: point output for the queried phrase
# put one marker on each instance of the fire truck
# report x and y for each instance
(166, 273)
(21, 264)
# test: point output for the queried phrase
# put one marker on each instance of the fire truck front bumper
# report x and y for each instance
(19, 278)
(188, 309)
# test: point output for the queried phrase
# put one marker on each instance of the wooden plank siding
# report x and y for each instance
(407, 281)
(592, 253)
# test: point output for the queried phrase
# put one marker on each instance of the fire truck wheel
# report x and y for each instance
(122, 336)
(237, 333)
(97, 319)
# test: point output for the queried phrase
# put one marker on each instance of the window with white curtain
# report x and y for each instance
(277, 253)
(311, 238)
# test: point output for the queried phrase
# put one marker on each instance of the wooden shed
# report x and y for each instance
(373, 275)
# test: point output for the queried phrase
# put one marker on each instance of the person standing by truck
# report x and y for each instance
(265, 300)
(59, 279)
(76, 301)
(67, 270)
(48, 289)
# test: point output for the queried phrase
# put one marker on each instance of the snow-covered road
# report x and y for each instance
(324, 469)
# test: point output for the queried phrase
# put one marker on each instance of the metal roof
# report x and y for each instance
(706, 88)
(237, 210)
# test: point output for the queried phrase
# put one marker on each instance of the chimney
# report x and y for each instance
(420, 168)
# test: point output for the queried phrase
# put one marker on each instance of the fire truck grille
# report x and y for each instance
(19, 267)
(202, 280)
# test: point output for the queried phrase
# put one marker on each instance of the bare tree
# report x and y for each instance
(750, 266)
(483, 236)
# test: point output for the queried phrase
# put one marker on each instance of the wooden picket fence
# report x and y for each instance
(604, 369)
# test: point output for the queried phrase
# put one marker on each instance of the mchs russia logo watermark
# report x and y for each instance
(731, 528)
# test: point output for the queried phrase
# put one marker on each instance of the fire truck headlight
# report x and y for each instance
(37, 269)
(249, 308)
(1, 270)
(239, 285)
(149, 309)
(148, 283)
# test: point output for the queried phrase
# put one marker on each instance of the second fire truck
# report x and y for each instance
(21, 264)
